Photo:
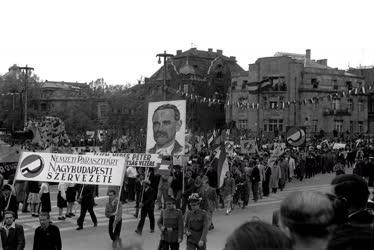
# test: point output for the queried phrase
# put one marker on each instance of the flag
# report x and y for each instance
(255, 86)
(221, 164)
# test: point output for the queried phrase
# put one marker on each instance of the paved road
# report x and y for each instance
(98, 238)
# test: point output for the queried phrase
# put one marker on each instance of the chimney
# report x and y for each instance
(233, 58)
(322, 61)
(219, 52)
(179, 52)
(307, 54)
(210, 50)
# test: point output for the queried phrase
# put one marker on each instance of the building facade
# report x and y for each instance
(294, 90)
(206, 74)
(368, 74)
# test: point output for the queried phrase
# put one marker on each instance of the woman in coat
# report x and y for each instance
(227, 191)
(275, 176)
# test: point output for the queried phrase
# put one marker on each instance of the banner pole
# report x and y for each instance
(145, 178)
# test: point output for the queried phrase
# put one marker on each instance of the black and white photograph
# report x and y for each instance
(186, 125)
(166, 128)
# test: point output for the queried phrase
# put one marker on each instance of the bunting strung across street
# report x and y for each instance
(245, 104)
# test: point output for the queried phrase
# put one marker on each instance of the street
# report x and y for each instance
(98, 238)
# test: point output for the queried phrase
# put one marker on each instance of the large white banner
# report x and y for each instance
(71, 168)
(166, 127)
(135, 159)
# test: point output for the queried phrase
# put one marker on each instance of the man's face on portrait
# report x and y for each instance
(165, 127)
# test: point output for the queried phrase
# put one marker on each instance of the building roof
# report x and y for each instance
(196, 62)
(63, 85)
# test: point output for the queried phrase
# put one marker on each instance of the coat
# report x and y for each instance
(196, 225)
(275, 176)
(149, 198)
(172, 220)
(228, 187)
(49, 239)
(15, 239)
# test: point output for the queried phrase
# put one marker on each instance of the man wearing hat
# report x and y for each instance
(196, 224)
(171, 226)
(147, 206)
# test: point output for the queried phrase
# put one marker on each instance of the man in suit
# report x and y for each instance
(166, 123)
(147, 207)
(47, 236)
(12, 234)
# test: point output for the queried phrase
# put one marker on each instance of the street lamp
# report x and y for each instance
(165, 56)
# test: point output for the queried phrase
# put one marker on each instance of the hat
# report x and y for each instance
(194, 198)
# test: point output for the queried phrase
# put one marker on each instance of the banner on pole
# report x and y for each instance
(248, 146)
(166, 127)
(70, 168)
(180, 160)
(7, 169)
(134, 159)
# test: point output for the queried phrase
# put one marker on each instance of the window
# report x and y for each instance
(265, 102)
(43, 107)
(351, 126)
(360, 127)
(242, 124)
(360, 106)
(338, 125)
(314, 126)
(219, 75)
(350, 104)
(273, 125)
(314, 83)
(273, 104)
(348, 84)
(335, 104)
(185, 88)
(335, 84)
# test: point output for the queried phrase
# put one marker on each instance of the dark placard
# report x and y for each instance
(7, 169)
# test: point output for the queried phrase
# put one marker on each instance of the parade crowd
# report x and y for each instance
(189, 196)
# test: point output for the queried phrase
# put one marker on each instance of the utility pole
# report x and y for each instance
(27, 69)
(165, 56)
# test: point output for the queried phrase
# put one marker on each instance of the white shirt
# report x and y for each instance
(7, 228)
(131, 172)
(166, 151)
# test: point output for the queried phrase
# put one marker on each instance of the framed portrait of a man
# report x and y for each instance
(166, 127)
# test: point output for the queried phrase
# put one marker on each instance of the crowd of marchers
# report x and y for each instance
(188, 198)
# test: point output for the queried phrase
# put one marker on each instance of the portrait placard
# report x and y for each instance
(166, 127)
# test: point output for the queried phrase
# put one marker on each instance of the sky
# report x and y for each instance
(80, 41)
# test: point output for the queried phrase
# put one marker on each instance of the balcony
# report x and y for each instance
(337, 112)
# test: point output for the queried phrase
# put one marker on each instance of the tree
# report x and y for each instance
(12, 87)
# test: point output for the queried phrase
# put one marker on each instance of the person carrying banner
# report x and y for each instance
(113, 211)
(87, 203)
(147, 206)
(171, 226)
(10, 200)
(196, 224)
